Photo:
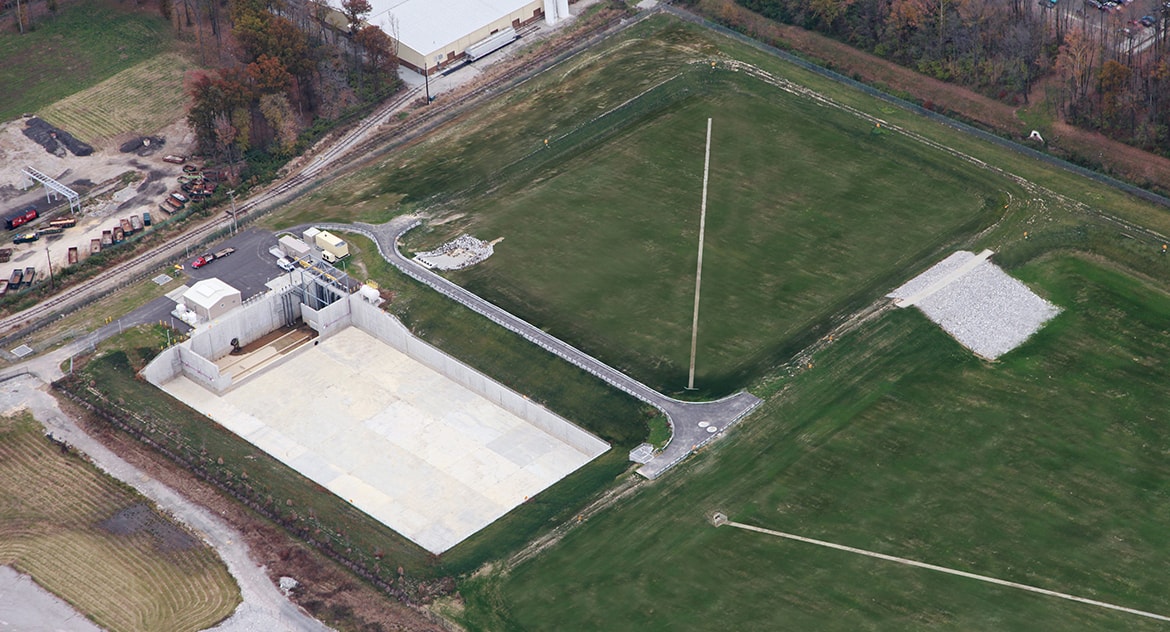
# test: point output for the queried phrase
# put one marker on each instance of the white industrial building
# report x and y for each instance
(211, 298)
(434, 34)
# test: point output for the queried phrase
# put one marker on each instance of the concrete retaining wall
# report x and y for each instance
(388, 329)
(329, 319)
(247, 324)
(164, 367)
(201, 370)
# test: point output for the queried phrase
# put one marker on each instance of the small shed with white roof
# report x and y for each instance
(211, 298)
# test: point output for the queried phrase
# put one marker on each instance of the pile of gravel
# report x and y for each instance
(986, 310)
(459, 253)
(54, 140)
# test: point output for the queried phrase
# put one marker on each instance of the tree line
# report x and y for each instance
(283, 66)
(1105, 70)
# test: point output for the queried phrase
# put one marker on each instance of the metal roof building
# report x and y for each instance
(434, 34)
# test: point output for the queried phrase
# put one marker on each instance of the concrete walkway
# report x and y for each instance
(692, 424)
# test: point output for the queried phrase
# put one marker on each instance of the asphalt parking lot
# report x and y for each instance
(247, 270)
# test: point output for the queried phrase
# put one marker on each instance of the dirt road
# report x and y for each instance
(264, 607)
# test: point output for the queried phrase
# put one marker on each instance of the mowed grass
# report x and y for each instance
(1048, 468)
(51, 510)
(82, 45)
(142, 99)
(813, 211)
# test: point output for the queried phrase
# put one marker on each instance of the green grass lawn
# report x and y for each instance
(813, 211)
(1048, 468)
(83, 44)
(810, 212)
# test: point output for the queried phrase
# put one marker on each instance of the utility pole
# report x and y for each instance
(427, 81)
(232, 195)
(52, 283)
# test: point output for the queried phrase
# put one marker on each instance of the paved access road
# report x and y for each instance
(692, 423)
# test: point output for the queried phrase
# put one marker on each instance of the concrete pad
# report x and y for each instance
(415, 450)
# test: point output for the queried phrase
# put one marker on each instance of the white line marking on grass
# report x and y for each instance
(699, 267)
(720, 520)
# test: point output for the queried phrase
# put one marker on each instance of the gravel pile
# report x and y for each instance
(986, 310)
(459, 253)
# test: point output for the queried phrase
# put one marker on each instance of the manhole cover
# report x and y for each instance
(22, 351)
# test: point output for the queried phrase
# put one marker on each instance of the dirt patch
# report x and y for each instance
(142, 519)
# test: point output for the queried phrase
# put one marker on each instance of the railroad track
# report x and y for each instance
(114, 276)
(360, 138)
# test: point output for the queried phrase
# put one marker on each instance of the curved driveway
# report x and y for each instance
(692, 423)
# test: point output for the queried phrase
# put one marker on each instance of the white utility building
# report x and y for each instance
(434, 34)
(211, 298)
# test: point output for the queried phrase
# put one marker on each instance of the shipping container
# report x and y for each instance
(95, 246)
(73, 256)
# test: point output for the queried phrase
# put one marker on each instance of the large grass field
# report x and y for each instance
(813, 210)
(98, 545)
(85, 43)
(142, 99)
(1047, 469)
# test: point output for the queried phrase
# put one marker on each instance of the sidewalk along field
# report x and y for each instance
(98, 545)
(143, 99)
(1048, 468)
(82, 45)
(812, 210)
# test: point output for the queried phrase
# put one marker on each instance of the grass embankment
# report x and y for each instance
(98, 545)
(142, 99)
(1047, 468)
(83, 44)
